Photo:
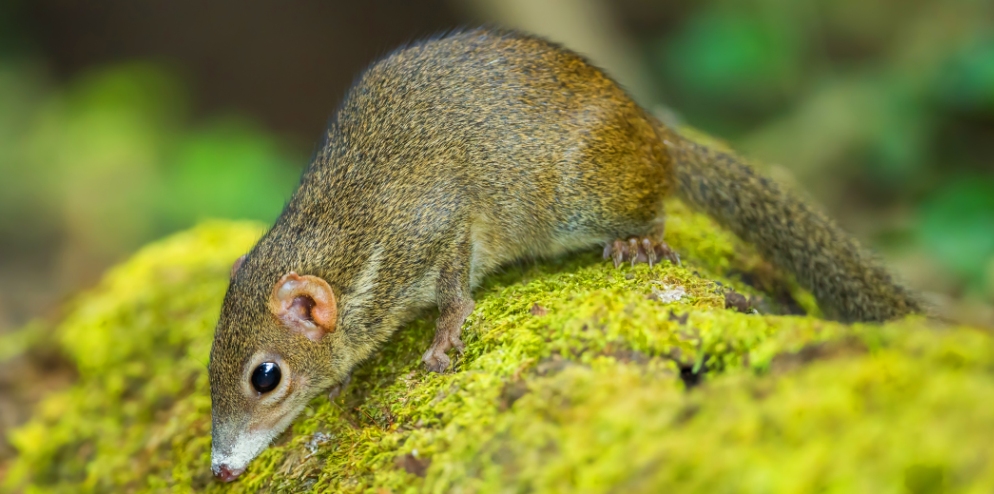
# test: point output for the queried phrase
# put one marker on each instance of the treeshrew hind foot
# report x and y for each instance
(640, 250)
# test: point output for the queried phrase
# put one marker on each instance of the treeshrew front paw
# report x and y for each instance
(435, 361)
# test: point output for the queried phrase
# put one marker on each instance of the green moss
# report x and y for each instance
(576, 377)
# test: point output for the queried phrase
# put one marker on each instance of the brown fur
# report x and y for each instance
(455, 155)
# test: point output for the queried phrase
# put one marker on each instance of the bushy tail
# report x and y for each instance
(849, 283)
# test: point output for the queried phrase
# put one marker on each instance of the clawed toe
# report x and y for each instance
(436, 361)
(618, 250)
(668, 253)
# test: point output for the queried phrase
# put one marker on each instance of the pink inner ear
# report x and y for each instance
(301, 307)
(305, 304)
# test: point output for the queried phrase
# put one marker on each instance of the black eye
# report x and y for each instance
(266, 377)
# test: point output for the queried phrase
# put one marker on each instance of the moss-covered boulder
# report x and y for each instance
(577, 377)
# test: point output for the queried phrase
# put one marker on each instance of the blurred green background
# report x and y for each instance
(123, 121)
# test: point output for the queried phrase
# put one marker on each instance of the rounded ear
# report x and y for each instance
(304, 304)
(238, 264)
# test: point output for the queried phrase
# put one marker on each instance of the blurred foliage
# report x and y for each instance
(111, 160)
(957, 223)
(966, 81)
(883, 108)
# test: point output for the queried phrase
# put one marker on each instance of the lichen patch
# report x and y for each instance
(576, 377)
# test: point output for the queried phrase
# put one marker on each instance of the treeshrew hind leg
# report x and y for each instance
(640, 250)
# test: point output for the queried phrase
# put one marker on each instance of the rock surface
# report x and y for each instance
(577, 377)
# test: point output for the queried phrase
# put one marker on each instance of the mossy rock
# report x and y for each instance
(577, 377)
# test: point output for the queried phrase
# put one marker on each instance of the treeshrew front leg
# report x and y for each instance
(454, 304)
(447, 331)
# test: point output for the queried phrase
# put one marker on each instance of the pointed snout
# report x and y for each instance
(226, 473)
